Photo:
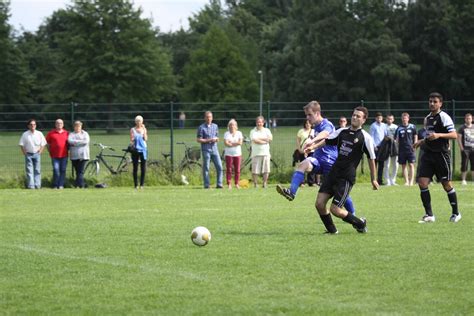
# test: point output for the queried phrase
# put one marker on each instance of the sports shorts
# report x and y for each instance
(406, 157)
(338, 188)
(435, 163)
(321, 166)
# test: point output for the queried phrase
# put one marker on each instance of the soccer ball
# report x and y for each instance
(200, 236)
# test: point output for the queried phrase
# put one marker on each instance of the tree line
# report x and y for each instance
(104, 51)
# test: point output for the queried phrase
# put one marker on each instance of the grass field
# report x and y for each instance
(119, 251)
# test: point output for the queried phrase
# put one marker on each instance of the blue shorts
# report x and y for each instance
(406, 157)
(321, 166)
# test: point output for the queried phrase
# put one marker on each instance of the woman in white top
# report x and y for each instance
(138, 138)
(233, 139)
(79, 153)
(261, 138)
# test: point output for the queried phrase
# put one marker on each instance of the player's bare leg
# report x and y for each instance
(324, 214)
(360, 224)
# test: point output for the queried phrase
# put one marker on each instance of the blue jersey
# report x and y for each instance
(406, 137)
(326, 153)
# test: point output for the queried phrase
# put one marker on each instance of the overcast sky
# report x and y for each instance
(168, 15)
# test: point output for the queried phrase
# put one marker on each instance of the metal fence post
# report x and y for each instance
(454, 141)
(172, 135)
(72, 112)
(362, 160)
(268, 114)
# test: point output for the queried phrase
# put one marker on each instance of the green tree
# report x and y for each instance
(218, 73)
(429, 40)
(14, 80)
(112, 55)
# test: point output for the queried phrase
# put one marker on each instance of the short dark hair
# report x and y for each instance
(364, 110)
(30, 120)
(376, 114)
(436, 95)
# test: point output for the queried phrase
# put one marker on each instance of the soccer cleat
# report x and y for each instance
(455, 218)
(285, 192)
(427, 219)
(361, 230)
(329, 233)
(464, 182)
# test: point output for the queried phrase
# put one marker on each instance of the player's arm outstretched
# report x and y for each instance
(369, 149)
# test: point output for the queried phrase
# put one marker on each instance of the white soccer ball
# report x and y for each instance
(201, 236)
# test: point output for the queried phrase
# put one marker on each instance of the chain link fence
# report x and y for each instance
(110, 123)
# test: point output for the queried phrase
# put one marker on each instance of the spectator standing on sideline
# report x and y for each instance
(32, 144)
(181, 120)
(233, 139)
(351, 144)
(322, 159)
(261, 137)
(391, 165)
(79, 152)
(466, 145)
(273, 123)
(342, 122)
(58, 151)
(377, 132)
(303, 135)
(406, 136)
(437, 158)
(138, 139)
(208, 136)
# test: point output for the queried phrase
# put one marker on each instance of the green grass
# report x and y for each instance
(119, 251)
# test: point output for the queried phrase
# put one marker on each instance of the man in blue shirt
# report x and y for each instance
(208, 136)
(322, 159)
(377, 131)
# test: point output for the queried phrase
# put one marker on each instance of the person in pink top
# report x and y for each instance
(58, 151)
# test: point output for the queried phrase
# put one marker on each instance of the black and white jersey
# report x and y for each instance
(438, 123)
(350, 146)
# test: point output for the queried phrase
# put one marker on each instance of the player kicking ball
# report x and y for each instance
(321, 160)
(352, 143)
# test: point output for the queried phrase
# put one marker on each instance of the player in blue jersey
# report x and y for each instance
(322, 159)
(406, 136)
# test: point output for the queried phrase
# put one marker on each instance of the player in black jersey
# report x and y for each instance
(352, 142)
(436, 159)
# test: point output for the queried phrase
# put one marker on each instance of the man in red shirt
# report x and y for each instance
(58, 151)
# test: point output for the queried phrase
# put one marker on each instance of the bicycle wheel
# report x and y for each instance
(153, 164)
(124, 166)
(189, 166)
(92, 168)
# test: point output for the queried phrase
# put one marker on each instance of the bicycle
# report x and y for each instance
(191, 158)
(93, 166)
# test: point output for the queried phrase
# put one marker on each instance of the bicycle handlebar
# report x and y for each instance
(104, 146)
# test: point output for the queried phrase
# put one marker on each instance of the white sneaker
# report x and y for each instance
(427, 219)
(455, 218)
(464, 182)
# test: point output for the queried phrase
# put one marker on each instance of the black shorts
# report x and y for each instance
(406, 157)
(466, 157)
(338, 188)
(435, 163)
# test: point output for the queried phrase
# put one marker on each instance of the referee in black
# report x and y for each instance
(352, 142)
(436, 159)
